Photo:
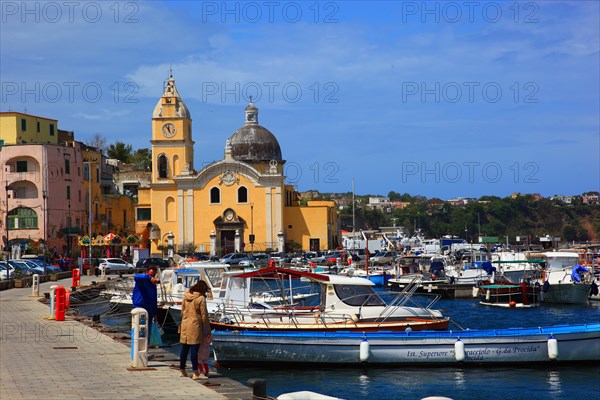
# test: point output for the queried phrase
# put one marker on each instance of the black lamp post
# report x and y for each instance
(252, 228)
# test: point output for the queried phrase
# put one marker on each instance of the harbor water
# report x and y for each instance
(511, 382)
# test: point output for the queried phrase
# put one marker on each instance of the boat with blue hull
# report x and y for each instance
(545, 345)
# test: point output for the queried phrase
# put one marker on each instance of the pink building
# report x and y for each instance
(42, 190)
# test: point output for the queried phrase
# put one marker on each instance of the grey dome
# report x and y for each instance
(253, 142)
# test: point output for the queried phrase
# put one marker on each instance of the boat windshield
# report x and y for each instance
(215, 276)
(358, 295)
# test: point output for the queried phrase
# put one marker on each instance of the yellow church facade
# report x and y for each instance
(240, 203)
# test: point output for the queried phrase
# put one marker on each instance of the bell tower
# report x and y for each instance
(172, 144)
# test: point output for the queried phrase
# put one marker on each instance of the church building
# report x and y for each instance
(240, 203)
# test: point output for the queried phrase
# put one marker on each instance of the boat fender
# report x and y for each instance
(364, 350)
(459, 350)
(546, 287)
(552, 348)
(487, 295)
(594, 289)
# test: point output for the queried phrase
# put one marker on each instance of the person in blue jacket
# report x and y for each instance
(145, 294)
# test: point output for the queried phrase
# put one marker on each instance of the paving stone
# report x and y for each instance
(28, 345)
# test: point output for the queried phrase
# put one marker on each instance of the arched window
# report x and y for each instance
(242, 195)
(215, 195)
(162, 166)
(170, 209)
(22, 218)
(176, 170)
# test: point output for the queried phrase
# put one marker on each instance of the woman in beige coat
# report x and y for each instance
(195, 326)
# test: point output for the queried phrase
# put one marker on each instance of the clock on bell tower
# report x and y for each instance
(172, 144)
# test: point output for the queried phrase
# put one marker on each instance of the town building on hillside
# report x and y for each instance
(563, 199)
(590, 199)
(380, 203)
(240, 203)
(461, 201)
(399, 204)
(45, 187)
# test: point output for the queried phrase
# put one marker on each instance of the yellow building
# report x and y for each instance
(19, 128)
(240, 203)
(111, 212)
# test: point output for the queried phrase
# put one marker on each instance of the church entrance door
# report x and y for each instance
(228, 241)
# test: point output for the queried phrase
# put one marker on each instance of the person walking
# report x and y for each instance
(145, 294)
(195, 327)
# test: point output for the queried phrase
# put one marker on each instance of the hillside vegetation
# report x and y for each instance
(522, 215)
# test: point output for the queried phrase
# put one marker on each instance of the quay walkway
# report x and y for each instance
(46, 359)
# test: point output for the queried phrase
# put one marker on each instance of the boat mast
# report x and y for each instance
(353, 222)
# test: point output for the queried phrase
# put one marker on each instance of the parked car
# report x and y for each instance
(383, 258)
(109, 265)
(234, 258)
(148, 262)
(5, 271)
(39, 265)
(258, 260)
(280, 257)
(24, 267)
(203, 257)
(310, 256)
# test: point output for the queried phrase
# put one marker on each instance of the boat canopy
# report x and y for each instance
(436, 267)
(334, 279)
(488, 267)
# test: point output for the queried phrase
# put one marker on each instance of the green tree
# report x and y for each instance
(120, 151)
(142, 158)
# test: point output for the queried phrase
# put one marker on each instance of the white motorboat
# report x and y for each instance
(345, 303)
(561, 282)
(515, 266)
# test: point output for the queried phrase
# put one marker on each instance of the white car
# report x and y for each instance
(5, 271)
(108, 265)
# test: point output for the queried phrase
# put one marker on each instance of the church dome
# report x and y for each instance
(252, 142)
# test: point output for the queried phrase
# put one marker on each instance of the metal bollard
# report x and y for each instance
(35, 286)
(52, 299)
(139, 338)
(259, 388)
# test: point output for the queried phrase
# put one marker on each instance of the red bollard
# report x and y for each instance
(59, 304)
(75, 277)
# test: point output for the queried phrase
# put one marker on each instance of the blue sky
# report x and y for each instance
(441, 99)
